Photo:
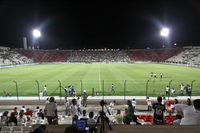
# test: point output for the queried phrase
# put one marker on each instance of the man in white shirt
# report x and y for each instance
(191, 113)
(45, 90)
(111, 107)
(182, 89)
(149, 104)
(134, 103)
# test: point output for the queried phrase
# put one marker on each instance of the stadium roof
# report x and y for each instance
(100, 24)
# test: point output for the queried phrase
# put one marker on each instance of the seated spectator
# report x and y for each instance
(91, 123)
(12, 118)
(28, 112)
(112, 106)
(4, 117)
(124, 116)
(189, 102)
(91, 120)
(84, 116)
(119, 117)
(21, 118)
(178, 119)
(40, 114)
(23, 108)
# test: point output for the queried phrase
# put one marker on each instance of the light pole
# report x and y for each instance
(36, 34)
(164, 33)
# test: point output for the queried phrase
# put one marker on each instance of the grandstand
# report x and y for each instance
(100, 55)
(190, 55)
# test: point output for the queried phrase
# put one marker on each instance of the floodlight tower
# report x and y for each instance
(36, 34)
(164, 33)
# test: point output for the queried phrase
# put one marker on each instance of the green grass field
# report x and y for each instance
(130, 78)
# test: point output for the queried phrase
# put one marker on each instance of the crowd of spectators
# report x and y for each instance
(182, 113)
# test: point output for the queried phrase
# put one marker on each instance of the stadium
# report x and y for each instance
(99, 67)
(95, 70)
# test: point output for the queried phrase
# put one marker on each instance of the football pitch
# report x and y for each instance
(128, 79)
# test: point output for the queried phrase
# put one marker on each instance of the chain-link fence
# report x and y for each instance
(151, 87)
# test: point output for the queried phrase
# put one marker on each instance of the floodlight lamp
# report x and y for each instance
(36, 33)
(164, 32)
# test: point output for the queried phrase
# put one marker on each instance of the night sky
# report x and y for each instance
(100, 24)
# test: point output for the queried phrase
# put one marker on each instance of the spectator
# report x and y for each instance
(45, 90)
(149, 104)
(22, 118)
(85, 95)
(66, 91)
(159, 109)
(167, 91)
(41, 94)
(51, 111)
(84, 116)
(23, 108)
(28, 112)
(191, 113)
(4, 117)
(134, 104)
(13, 117)
(178, 119)
(67, 107)
(74, 108)
(111, 107)
(189, 102)
(91, 120)
(40, 114)
(112, 89)
(130, 113)
(182, 88)
(79, 105)
(47, 100)
(91, 123)
(173, 92)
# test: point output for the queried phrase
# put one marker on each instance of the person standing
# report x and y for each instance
(167, 90)
(74, 108)
(159, 109)
(50, 111)
(133, 104)
(66, 91)
(85, 95)
(130, 113)
(112, 106)
(112, 89)
(45, 90)
(182, 88)
(149, 104)
(173, 92)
